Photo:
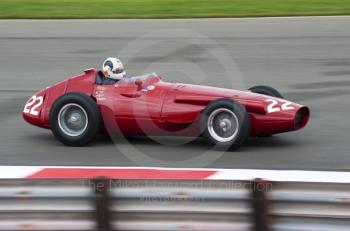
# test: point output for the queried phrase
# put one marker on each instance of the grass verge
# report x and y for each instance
(44, 9)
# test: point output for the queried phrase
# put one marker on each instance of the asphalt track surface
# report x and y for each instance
(306, 58)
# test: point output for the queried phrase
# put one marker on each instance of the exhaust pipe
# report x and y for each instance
(301, 118)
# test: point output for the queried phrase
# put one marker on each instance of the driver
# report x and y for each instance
(113, 69)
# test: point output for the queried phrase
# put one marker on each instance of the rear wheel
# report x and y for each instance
(225, 124)
(266, 90)
(75, 119)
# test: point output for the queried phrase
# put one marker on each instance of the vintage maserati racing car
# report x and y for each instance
(81, 107)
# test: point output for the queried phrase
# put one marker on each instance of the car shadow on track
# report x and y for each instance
(184, 142)
(268, 142)
(199, 144)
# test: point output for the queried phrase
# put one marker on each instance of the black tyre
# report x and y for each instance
(225, 124)
(266, 90)
(75, 119)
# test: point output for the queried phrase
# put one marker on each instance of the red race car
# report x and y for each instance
(81, 107)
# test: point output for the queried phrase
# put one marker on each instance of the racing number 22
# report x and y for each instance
(36, 101)
(273, 106)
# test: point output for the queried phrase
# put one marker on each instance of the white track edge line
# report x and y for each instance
(11, 172)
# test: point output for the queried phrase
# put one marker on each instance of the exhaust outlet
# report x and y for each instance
(301, 117)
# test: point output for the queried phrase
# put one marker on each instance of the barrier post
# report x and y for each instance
(101, 188)
(260, 205)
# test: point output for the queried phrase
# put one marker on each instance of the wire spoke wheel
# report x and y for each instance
(73, 119)
(223, 125)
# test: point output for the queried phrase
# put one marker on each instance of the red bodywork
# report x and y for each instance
(162, 108)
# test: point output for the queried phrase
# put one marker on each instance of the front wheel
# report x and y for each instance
(75, 119)
(266, 90)
(225, 124)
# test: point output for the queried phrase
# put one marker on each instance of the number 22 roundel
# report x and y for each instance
(33, 105)
(278, 105)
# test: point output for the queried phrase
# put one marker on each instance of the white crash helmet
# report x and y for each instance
(113, 68)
